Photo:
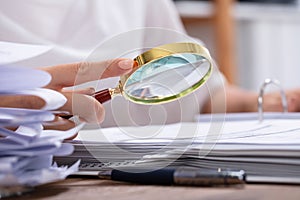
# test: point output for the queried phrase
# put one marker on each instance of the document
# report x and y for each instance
(25, 81)
(12, 117)
(267, 151)
(26, 154)
(19, 78)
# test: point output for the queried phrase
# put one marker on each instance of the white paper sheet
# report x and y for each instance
(25, 81)
(26, 154)
(37, 176)
(18, 78)
(53, 99)
(267, 151)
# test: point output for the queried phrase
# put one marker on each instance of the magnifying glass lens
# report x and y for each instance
(167, 77)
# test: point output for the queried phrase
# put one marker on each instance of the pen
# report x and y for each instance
(177, 176)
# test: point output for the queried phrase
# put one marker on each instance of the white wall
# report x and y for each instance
(267, 41)
(269, 47)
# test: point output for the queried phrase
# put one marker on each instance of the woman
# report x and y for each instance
(100, 30)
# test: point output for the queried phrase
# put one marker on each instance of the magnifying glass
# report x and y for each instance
(163, 74)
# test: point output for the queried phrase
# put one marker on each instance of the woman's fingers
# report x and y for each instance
(85, 106)
(59, 123)
(79, 102)
(22, 101)
(86, 91)
(273, 101)
(118, 67)
(73, 74)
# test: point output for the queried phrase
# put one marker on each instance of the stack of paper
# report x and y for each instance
(26, 150)
(268, 151)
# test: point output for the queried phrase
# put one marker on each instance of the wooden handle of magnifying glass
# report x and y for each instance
(102, 95)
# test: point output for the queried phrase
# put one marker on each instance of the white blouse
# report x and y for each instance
(98, 30)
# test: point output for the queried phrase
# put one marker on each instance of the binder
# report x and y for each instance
(267, 150)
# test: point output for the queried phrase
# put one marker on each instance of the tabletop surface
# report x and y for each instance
(89, 189)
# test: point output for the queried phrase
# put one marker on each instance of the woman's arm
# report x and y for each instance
(235, 99)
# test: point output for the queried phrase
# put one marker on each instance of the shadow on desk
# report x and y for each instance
(89, 189)
(67, 187)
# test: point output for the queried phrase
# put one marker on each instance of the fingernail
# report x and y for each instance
(126, 64)
(91, 90)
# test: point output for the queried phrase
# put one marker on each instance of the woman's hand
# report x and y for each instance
(273, 102)
(234, 99)
(79, 102)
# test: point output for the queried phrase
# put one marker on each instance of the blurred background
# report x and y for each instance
(250, 39)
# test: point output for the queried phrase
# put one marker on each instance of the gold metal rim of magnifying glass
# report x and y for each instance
(158, 53)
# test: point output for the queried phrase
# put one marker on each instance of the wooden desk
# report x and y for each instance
(90, 189)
